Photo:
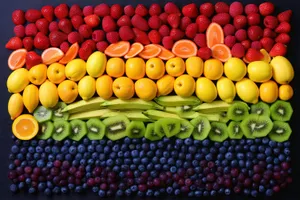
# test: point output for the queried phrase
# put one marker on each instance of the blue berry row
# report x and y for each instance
(139, 167)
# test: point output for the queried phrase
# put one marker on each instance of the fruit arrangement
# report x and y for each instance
(113, 75)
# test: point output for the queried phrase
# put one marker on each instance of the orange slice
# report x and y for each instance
(221, 52)
(25, 127)
(184, 48)
(17, 59)
(118, 49)
(150, 51)
(214, 35)
(245, 60)
(70, 54)
(52, 55)
(267, 57)
(165, 54)
(134, 50)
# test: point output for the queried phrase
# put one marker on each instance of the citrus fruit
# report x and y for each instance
(221, 52)
(123, 88)
(175, 66)
(15, 105)
(226, 89)
(194, 66)
(31, 97)
(235, 69)
(17, 59)
(115, 67)
(75, 69)
(96, 63)
(86, 87)
(70, 54)
(17, 80)
(283, 70)
(286, 92)
(56, 73)
(48, 94)
(268, 91)
(145, 89)
(150, 51)
(118, 49)
(247, 90)
(67, 91)
(104, 86)
(165, 85)
(134, 50)
(184, 85)
(155, 68)
(214, 35)
(259, 71)
(213, 69)
(165, 54)
(267, 57)
(25, 127)
(38, 74)
(52, 55)
(206, 90)
(135, 68)
(184, 48)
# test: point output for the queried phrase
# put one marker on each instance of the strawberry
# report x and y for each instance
(65, 25)
(283, 38)
(207, 9)
(278, 49)
(48, 12)
(269, 33)
(141, 10)
(241, 35)
(256, 45)
(116, 11)
(164, 30)
(164, 17)
(221, 18)
(19, 31)
(31, 30)
(61, 11)
(89, 44)
(41, 41)
(185, 21)
(285, 16)
(53, 26)
(75, 10)
(102, 10)
(266, 8)
(167, 42)
(32, 59)
(88, 10)
(253, 55)
(236, 8)
(246, 44)
(112, 37)
(64, 46)
(85, 52)
(92, 20)
(251, 8)
(190, 10)
(154, 22)
(171, 8)
(126, 33)
(228, 29)
(191, 30)
(101, 46)
(240, 21)
(154, 37)
(174, 20)
(85, 30)
(32, 15)
(267, 43)
(255, 33)
(124, 21)
(57, 37)
(283, 27)
(18, 17)
(129, 10)
(200, 40)
(74, 37)
(42, 25)
(108, 24)
(253, 19)
(28, 43)
(139, 22)
(229, 41)
(154, 9)
(270, 22)
(98, 35)
(203, 22)
(221, 7)
(141, 36)
(176, 34)
(204, 53)
(238, 50)
(76, 21)
(14, 43)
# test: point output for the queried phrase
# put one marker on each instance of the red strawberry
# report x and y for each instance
(266, 8)
(185, 21)
(207, 9)
(200, 40)
(283, 27)
(154, 9)
(251, 8)
(42, 25)
(255, 33)
(28, 43)
(76, 21)
(92, 20)
(238, 50)
(204, 53)
(190, 10)
(241, 35)
(236, 8)
(41, 41)
(191, 30)
(32, 59)
(154, 22)
(256, 45)
(229, 29)
(75, 10)
(14, 43)
(101, 46)
(141, 10)
(88, 10)
(164, 30)
(89, 44)
(269, 33)
(221, 7)
(19, 31)
(48, 12)
(65, 25)
(56, 38)
(170, 8)
(18, 17)
(229, 41)
(140, 23)
(253, 55)
(102, 10)
(126, 33)
(61, 11)
(203, 22)
(129, 10)
(116, 11)
(270, 22)
(267, 43)
(64, 46)
(108, 24)
(174, 20)
(221, 18)
(176, 34)
(98, 35)
(141, 36)
(53, 26)
(154, 37)
(278, 49)
(283, 38)
(31, 30)
(167, 42)
(32, 15)
(85, 30)
(246, 44)
(74, 37)
(112, 37)
(253, 19)
(239, 21)
(164, 18)
(124, 21)
(85, 52)
(285, 16)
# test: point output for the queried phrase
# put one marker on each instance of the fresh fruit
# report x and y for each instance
(150, 133)
(267, 57)
(86, 87)
(186, 129)
(150, 51)
(259, 71)
(25, 127)
(169, 126)
(226, 89)
(155, 68)
(15, 105)
(285, 92)
(89, 114)
(115, 67)
(116, 127)
(51, 55)
(175, 66)
(62, 129)
(130, 104)
(165, 85)
(268, 91)
(260, 108)
(213, 69)
(71, 54)
(194, 66)
(46, 130)
(165, 54)
(96, 129)
(136, 129)
(238, 111)
(67, 91)
(201, 128)
(56, 73)
(57, 112)
(256, 126)
(235, 69)
(95, 64)
(221, 52)
(14, 43)
(82, 105)
(281, 110)
(280, 132)
(145, 89)
(135, 68)
(38, 74)
(213, 107)
(118, 49)
(206, 90)
(283, 71)
(42, 114)
(104, 86)
(76, 69)
(184, 85)
(247, 90)
(123, 88)
(157, 114)
(218, 131)
(134, 50)
(234, 130)
(214, 35)
(184, 48)
(133, 115)
(31, 97)
(48, 94)
(17, 80)
(78, 129)
(253, 55)
(174, 100)
(17, 59)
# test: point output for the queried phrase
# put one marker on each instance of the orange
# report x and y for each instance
(221, 52)
(245, 60)
(52, 55)
(56, 73)
(268, 91)
(123, 88)
(145, 89)
(115, 67)
(135, 68)
(150, 51)
(104, 86)
(286, 92)
(70, 54)
(214, 35)
(134, 50)
(184, 48)
(17, 59)
(118, 49)
(25, 127)
(213, 69)
(165, 54)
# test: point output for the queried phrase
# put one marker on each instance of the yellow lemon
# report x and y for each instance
(95, 64)
(67, 91)
(226, 89)
(145, 89)
(17, 80)
(87, 87)
(48, 94)
(247, 90)
(165, 85)
(123, 88)
(213, 69)
(56, 73)
(15, 105)
(194, 66)
(235, 69)
(283, 71)
(115, 67)
(184, 85)
(155, 68)
(104, 86)
(75, 69)
(175, 66)
(31, 97)
(206, 90)
(135, 68)
(38, 74)
(268, 91)
(286, 92)
(259, 71)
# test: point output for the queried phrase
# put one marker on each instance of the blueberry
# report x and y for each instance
(119, 193)
(261, 189)
(276, 151)
(276, 161)
(229, 156)
(265, 140)
(101, 193)
(269, 192)
(231, 149)
(209, 157)
(272, 143)
(169, 190)
(150, 166)
(281, 157)
(13, 188)
(206, 193)
(141, 194)
(234, 163)
(241, 163)
(286, 151)
(287, 144)
(198, 193)
(107, 150)
(189, 156)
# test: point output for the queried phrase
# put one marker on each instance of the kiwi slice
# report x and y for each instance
(186, 129)
(218, 132)
(57, 112)
(170, 126)
(62, 129)
(280, 132)
(136, 129)
(79, 129)
(42, 114)
(238, 111)
(201, 127)
(256, 126)
(96, 129)
(223, 117)
(46, 130)
(150, 134)
(261, 108)
(234, 130)
(281, 111)
(116, 127)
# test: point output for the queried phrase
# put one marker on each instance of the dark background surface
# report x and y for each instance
(6, 31)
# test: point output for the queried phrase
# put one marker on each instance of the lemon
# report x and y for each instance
(184, 85)
(104, 86)
(145, 89)
(56, 73)
(226, 89)
(15, 105)
(259, 71)
(135, 68)
(165, 85)
(286, 92)
(194, 66)
(31, 97)
(213, 69)
(75, 69)
(206, 90)
(38, 74)
(247, 90)
(86, 87)
(48, 94)
(95, 64)
(283, 71)
(268, 91)
(115, 67)
(17, 80)
(235, 69)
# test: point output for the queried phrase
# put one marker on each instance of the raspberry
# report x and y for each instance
(266, 8)
(253, 19)
(164, 18)
(229, 41)
(85, 30)
(251, 8)
(185, 21)
(238, 50)
(204, 53)
(108, 24)
(18, 17)
(112, 37)
(53, 26)
(164, 30)
(236, 8)
(101, 46)
(207, 9)
(88, 10)
(241, 35)
(74, 37)
(269, 33)
(221, 18)
(89, 44)
(102, 10)
(200, 40)
(229, 29)
(255, 33)
(64, 47)
(246, 44)
(256, 45)
(19, 31)
(167, 42)
(84, 53)
(191, 30)
(126, 33)
(154, 37)
(31, 30)
(270, 22)
(176, 34)
(98, 35)
(77, 21)
(221, 7)
(154, 22)
(116, 11)
(240, 21)
(75, 10)
(203, 22)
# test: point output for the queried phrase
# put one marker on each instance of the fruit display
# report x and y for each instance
(125, 100)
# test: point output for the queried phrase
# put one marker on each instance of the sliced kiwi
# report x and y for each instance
(136, 129)
(223, 117)
(238, 111)
(79, 129)
(201, 127)
(256, 126)
(57, 112)
(42, 114)
(96, 129)
(150, 134)
(116, 127)
(186, 129)
(218, 132)
(46, 130)
(62, 129)
(260, 108)
(281, 111)
(234, 130)
(170, 126)
(280, 132)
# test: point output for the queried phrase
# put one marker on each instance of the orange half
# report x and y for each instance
(25, 127)
(17, 59)
(221, 52)
(118, 49)
(70, 54)
(165, 54)
(134, 50)
(52, 55)
(184, 48)
(214, 35)
(150, 51)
